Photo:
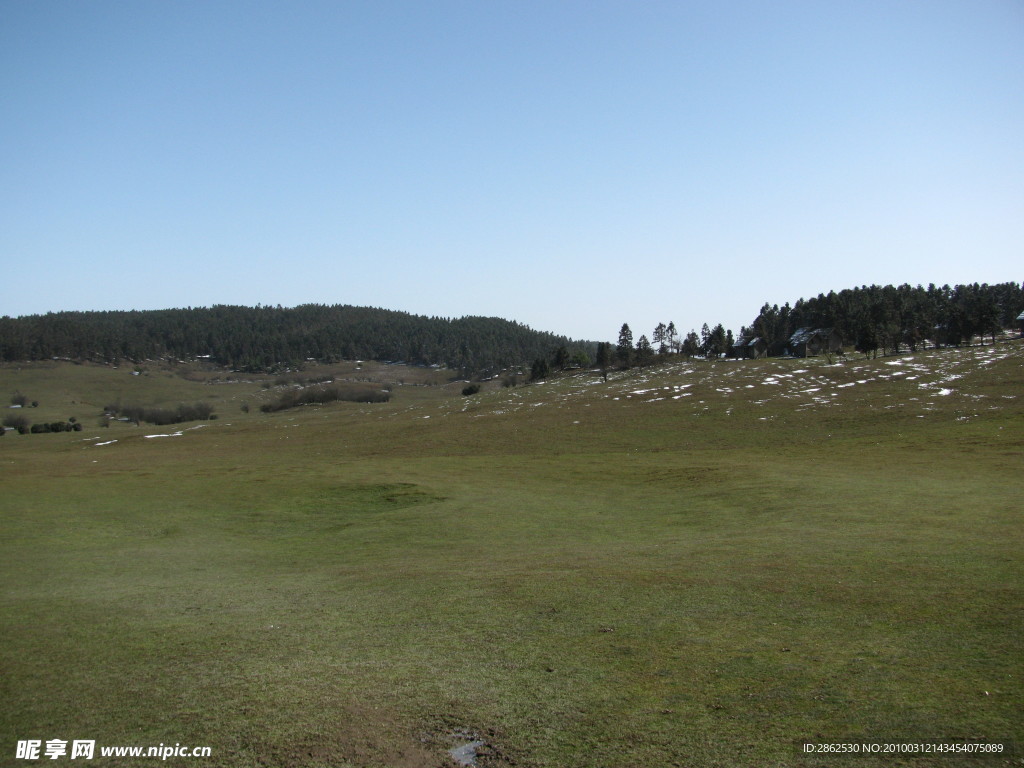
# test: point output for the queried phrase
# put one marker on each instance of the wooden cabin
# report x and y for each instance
(809, 342)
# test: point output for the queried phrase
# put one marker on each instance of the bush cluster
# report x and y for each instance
(160, 416)
(472, 389)
(326, 394)
(56, 426)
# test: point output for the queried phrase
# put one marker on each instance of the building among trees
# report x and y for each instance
(808, 342)
(750, 347)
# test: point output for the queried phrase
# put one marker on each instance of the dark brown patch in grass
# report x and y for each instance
(366, 738)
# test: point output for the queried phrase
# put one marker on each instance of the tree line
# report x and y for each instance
(891, 318)
(268, 339)
(869, 318)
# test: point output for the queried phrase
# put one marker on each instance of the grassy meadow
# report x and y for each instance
(696, 564)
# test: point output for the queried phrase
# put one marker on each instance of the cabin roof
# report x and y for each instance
(803, 335)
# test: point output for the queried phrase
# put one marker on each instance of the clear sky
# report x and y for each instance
(571, 165)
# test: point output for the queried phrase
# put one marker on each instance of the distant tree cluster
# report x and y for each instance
(889, 318)
(318, 395)
(561, 358)
(712, 343)
(160, 416)
(868, 319)
(274, 338)
(24, 426)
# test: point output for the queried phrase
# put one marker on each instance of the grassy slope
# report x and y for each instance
(582, 573)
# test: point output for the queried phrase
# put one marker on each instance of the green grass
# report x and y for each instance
(581, 580)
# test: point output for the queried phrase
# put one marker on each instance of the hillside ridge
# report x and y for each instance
(278, 338)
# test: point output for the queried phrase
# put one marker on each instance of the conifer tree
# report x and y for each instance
(672, 338)
(715, 342)
(644, 352)
(561, 358)
(691, 344)
(659, 335)
(540, 369)
(624, 350)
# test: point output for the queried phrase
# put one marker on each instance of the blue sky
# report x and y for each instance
(571, 165)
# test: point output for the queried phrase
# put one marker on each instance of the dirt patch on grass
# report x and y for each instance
(686, 477)
(369, 738)
(365, 739)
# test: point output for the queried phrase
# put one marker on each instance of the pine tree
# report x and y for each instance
(716, 342)
(672, 338)
(561, 358)
(659, 335)
(624, 350)
(540, 369)
(691, 344)
(644, 352)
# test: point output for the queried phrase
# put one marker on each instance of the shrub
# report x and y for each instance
(326, 394)
(199, 411)
(540, 370)
(19, 399)
(54, 426)
(16, 420)
(472, 389)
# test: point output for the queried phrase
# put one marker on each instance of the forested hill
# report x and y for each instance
(269, 338)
